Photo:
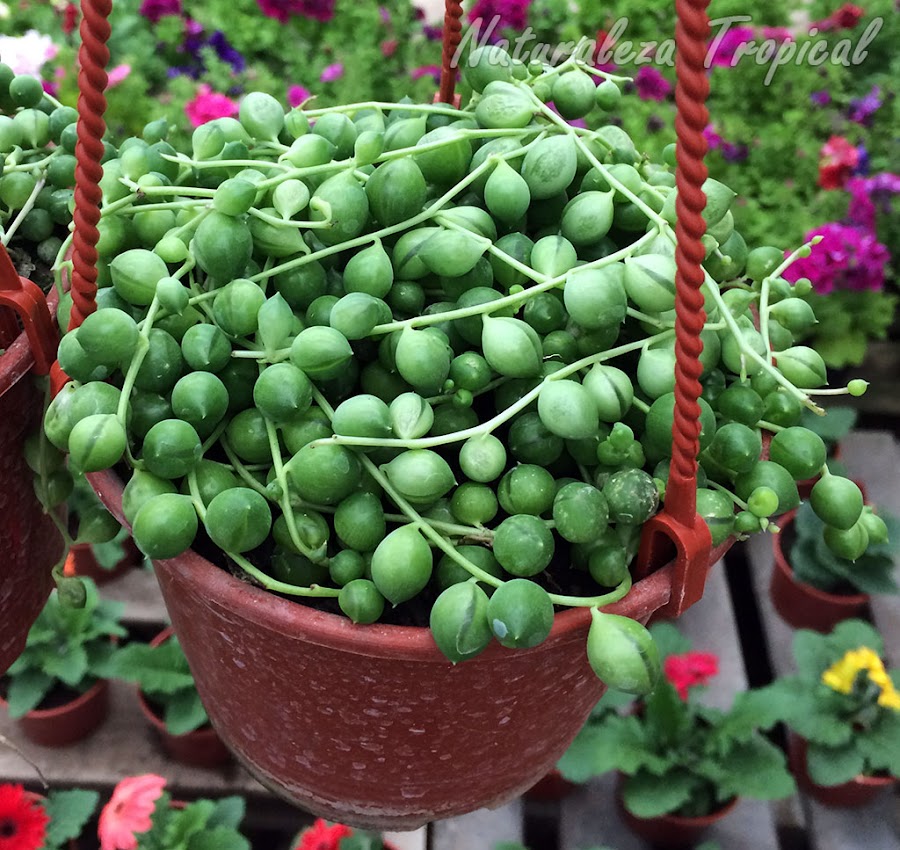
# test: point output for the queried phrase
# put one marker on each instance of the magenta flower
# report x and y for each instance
(208, 105)
(117, 75)
(651, 85)
(434, 71)
(847, 258)
(508, 14)
(318, 10)
(820, 98)
(153, 10)
(870, 195)
(731, 151)
(778, 34)
(723, 52)
(332, 72)
(297, 94)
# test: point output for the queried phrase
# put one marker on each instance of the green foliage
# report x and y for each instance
(814, 563)
(68, 811)
(681, 756)
(201, 825)
(163, 674)
(847, 733)
(65, 646)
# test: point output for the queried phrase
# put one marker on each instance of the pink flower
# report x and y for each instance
(281, 10)
(208, 105)
(389, 47)
(837, 159)
(726, 47)
(651, 85)
(426, 70)
(332, 72)
(779, 34)
(689, 670)
(129, 811)
(508, 14)
(848, 257)
(297, 94)
(117, 75)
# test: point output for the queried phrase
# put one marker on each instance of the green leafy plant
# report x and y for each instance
(842, 701)
(163, 675)
(678, 755)
(69, 811)
(814, 562)
(67, 646)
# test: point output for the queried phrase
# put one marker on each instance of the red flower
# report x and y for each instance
(321, 836)
(689, 670)
(837, 160)
(23, 822)
(845, 18)
(70, 18)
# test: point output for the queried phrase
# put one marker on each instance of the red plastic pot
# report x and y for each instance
(70, 723)
(859, 791)
(801, 605)
(200, 748)
(671, 832)
(29, 542)
(371, 725)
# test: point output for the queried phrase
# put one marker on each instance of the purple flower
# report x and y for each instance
(434, 71)
(731, 151)
(847, 258)
(723, 52)
(862, 109)
(508, 14)
(153, 10)
(869, 195)
(862, 163)
(820, 98)
(332, 72)
(651, 85)
(385, 15)
(433, 33)
(225, 52)
(297, 94)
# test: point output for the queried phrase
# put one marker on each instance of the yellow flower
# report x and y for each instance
(842, 674)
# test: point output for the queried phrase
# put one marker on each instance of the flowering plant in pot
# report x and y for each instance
(52, 822)
(681, 763)
(814, 586)
(56, 689)
(843, 709)
(367, 352)
(169, 699)
(141, 815)
(338, 836)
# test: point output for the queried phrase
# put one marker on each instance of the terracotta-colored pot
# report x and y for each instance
(670, 832)
(200, 748)
(857, 792)
(801, 605)
(29, 542)
(81, 562)
(67, 724)
(371, 725)
(550, 787)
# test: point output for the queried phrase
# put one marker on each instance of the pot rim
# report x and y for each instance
(800, 744)
(783, 565)
(217, 588)
(671, 817)
(17, 360)
(51, 713)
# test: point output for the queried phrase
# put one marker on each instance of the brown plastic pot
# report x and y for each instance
(670, 832)
(81, 562)
(859, 791)
(371, 725)
(70, 723)
(29, 542)
(801, 605)
(200, 748)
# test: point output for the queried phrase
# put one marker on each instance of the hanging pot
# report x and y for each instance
(69, 723)
(670, 832)
(29, 542)
(199, 748)
(800, 604)
(859, 791)
(371, 725)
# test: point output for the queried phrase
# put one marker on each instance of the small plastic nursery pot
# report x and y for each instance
(29, 541)
(670, 832)
(859, 791)
(200, 748)
(372, 725)
(69, 723)
(801, 605)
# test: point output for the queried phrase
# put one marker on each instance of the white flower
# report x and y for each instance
(4, 11)
(26, 54)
